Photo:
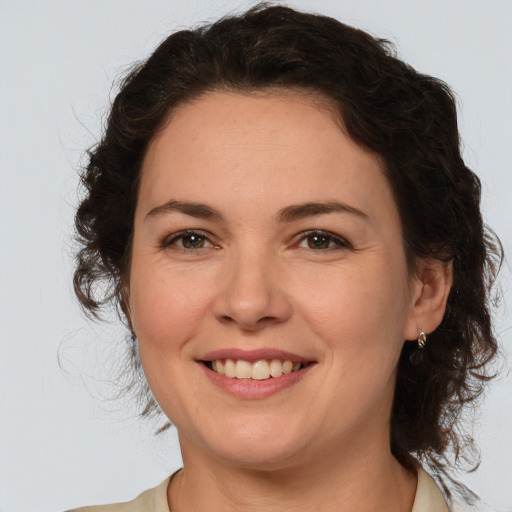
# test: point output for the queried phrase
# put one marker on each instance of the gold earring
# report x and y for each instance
(416, 356)
(422, 339)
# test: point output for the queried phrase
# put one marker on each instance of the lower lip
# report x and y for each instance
(250, 389)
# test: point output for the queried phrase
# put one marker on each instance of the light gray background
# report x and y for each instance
(60, 445)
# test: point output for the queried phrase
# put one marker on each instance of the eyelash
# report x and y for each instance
(339, 242)
(182, 235)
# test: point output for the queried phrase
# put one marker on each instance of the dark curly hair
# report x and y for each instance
(407, 118)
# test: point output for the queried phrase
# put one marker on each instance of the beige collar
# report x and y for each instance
(428, 496)
(428, 499)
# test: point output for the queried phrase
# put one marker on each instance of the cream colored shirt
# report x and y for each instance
(428, 499)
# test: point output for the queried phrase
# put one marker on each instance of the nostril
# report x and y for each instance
(248, 323)
(251, 300)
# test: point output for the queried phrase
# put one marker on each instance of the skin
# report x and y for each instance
(256, 281)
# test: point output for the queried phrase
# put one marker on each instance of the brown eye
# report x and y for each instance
(188, 241)
(321, 241)
(318, 241)
(192, 241)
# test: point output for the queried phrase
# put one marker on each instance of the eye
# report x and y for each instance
(187, 240)
(321, 240)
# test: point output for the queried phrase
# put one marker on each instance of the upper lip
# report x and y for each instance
(253, 355)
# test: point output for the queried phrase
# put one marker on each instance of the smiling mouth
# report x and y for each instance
(262, 369)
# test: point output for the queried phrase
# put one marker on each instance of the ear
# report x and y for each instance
(430, 286)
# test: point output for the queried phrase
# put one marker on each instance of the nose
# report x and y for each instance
(253, 294)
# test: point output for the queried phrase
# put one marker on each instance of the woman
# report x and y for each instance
(280, 211)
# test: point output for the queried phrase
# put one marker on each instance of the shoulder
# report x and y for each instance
(429, 497)
(152, 500)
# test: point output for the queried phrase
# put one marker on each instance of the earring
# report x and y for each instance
(422, 339)
(416, 356)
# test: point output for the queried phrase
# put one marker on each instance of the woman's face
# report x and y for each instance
(266, 239)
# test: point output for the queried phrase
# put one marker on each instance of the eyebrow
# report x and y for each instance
(304, 210)
(288, 214)
(198, 210)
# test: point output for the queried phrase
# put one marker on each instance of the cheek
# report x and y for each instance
(167, 304)
(359, 317)
(357, 308)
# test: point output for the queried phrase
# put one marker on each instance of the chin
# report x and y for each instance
(256, 446)
(261, 458)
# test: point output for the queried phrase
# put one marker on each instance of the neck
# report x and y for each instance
(360, 478)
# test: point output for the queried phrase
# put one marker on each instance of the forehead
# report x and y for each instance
(260, 148)
(252, 117)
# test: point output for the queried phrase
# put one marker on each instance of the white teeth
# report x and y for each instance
(259, 370)
(276, 368)
(229, 368)
(243, 369)
(218, 367)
